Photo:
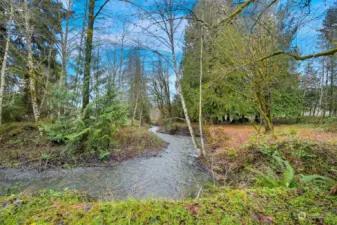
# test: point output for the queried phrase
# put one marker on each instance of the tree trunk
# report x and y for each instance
(265, 111)
(47, 79)
(331, 87)
(88, 51)
(134, 111)
(64, 47)
(30, 63)
(200, 95)
(4, 61)
(79, 65)
(141, 121)
(179, 77)
(326, 92)
(322, 88)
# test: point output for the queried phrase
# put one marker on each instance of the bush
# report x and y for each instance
(93, 130)
(330, 124)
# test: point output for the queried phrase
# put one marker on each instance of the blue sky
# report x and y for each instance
(116, 14)
(307, 38)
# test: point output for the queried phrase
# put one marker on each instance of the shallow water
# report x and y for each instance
(174, 174)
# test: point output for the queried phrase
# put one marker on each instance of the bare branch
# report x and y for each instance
(100, 9)
(300, 58)
(237, 11)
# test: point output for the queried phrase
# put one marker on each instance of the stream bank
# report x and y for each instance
(174, 174)
(23, 147)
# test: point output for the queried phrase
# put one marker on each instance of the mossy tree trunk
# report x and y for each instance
(30, 64)
(4, 61)
(88, 53)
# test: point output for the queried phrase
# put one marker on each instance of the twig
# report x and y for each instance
(198, 195)
(213, 171)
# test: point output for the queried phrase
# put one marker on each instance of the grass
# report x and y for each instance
(235, 136)
(225, 206)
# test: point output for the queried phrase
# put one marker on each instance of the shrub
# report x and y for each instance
(330, 124)
(92, 130)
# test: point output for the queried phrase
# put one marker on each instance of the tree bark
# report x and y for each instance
(30, 64)
(134, 111)
(5, 58)
(179, 77)
(200, 95)
(64, 47)
(47, 79)
(331, 87)
(88, 53)
(322, 88)
(79, 65)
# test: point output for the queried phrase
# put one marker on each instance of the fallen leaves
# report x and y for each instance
(193, 209)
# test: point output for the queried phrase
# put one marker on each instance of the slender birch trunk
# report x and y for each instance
(4, 61)
(179, 78)
(200, 94)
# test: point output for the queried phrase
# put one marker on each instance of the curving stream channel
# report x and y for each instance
(174, 174)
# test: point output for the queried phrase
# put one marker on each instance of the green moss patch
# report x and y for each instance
(250, 206)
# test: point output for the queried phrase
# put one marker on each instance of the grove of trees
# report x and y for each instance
(62, 63)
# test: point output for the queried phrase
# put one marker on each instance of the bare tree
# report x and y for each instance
(167, 18)
(161, 89)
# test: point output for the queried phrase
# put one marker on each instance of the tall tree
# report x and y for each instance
(88, 50)
(5, 57)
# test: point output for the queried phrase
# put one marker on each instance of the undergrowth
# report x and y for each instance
(286, 162)
(22, 146)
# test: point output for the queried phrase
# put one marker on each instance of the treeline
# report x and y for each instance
(239, 62)
(242, 73)
(46, 72)
(78, 88)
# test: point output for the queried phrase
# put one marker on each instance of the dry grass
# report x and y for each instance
(137, 140)
(221, 137)
(229, 136)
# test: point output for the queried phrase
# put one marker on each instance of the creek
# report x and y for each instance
(174, 174)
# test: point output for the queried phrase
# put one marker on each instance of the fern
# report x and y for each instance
(77, 136)
(289, 176)
(316, 179)
(266, 180)
(287, 170)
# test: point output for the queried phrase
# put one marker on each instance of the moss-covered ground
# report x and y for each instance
(226, 206)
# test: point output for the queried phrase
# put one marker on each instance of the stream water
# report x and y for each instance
(174, 174)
